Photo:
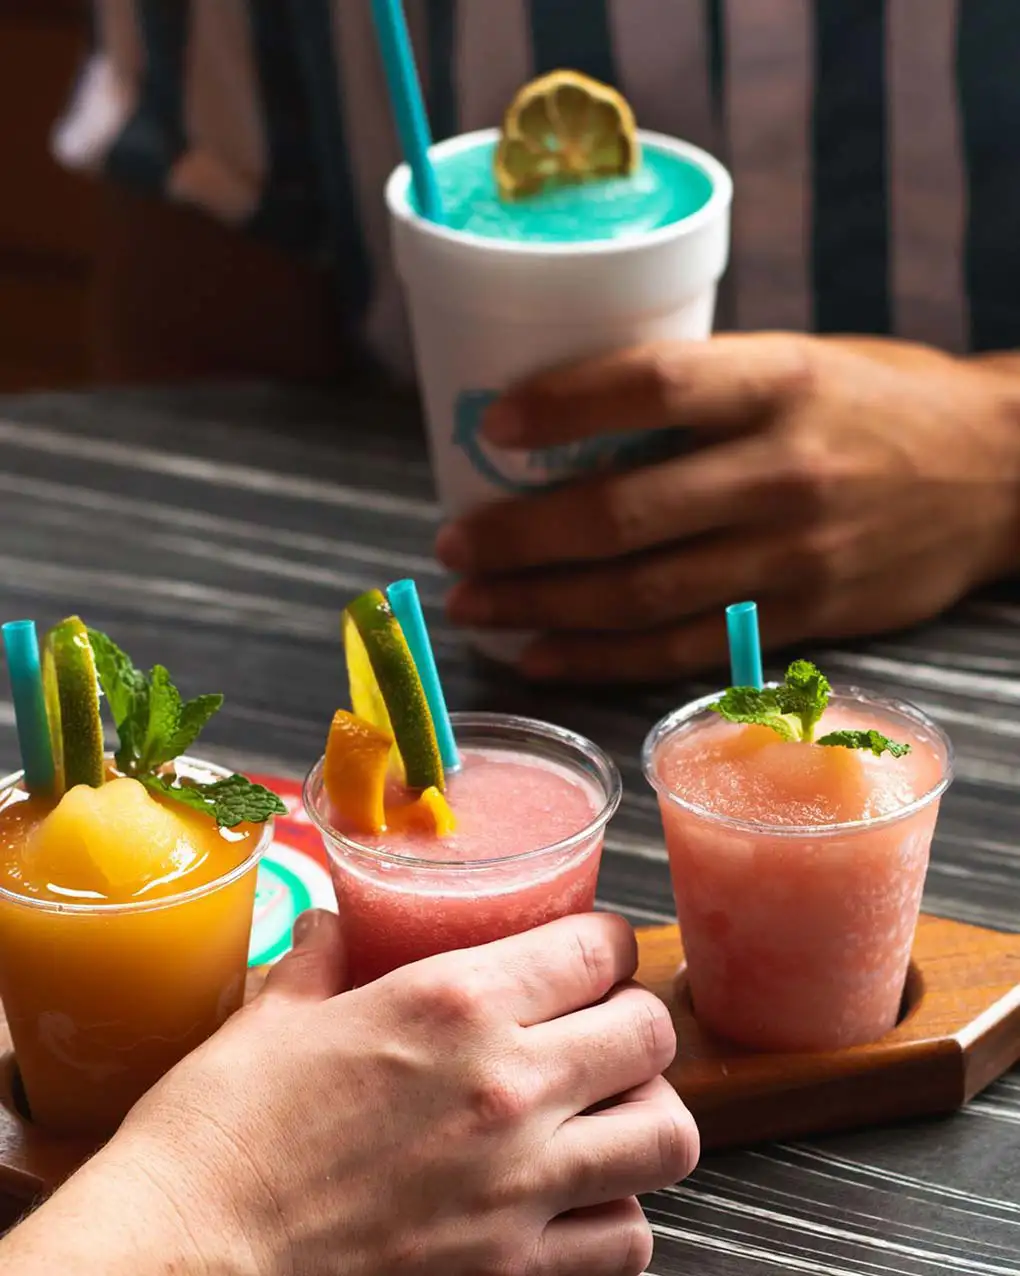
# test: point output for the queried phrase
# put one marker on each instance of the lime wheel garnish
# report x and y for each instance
(564, 128)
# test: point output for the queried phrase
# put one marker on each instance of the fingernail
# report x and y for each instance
(468, 606)
(504, 424)
(539, 662)
(452, 548)
(306, 925)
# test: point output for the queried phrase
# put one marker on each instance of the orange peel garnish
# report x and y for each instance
(429, 813)
(354, 771)
(562, 128)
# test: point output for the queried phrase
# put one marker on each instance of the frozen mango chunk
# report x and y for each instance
(114, 841)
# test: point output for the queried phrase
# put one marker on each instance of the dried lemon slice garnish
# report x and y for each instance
(562, 128)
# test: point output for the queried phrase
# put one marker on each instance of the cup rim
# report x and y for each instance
(106, 908)
(398, 185)
(606, 772)
(677, 718)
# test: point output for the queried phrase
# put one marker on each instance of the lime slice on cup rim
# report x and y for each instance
(71, 690)
(387, 691)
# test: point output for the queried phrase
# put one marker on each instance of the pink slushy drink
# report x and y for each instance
(798, 866)
(531, 803)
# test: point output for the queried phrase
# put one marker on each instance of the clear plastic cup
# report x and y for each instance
(102, 999)
(396, 908)
(799, 937)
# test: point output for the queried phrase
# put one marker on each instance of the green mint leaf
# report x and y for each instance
(164, 720)
(193, 717)
(804, 694)
(154, 725)
(870, 739)
(232, 801)
(751, 707)
(127, 693)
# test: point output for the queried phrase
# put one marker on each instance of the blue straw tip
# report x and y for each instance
(14, 628)
(741, 609)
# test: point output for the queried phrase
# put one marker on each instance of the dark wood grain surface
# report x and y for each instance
(220, 530)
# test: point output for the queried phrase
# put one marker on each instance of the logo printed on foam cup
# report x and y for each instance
(524, 471)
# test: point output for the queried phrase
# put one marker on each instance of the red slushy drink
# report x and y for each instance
(530, 802)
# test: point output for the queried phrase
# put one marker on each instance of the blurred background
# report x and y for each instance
(48, 217)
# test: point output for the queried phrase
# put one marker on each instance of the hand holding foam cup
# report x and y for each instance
(502, 290)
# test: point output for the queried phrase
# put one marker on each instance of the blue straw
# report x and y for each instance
(403, 597)
(29, 705)
(408, 105)
(745, 645)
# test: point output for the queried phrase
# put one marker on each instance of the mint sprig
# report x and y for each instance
(155, 726)
(231, 801)
(794, 708)
(871, 739)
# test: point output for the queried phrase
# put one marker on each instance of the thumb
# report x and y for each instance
(315, 968)
(725, 383)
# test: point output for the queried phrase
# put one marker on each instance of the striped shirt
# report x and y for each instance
(874, 144)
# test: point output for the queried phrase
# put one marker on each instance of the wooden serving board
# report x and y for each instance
(960, 1030)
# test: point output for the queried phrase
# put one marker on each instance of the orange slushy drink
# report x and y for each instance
(126, 895)
(798, 856)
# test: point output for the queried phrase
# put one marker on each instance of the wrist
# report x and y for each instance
(129, 1212)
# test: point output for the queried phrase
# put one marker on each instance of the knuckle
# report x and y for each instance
(617, 522)
(679, 1144)
(501, 1098)
(656, 1034)
(664, 379)
(638, 1246)
(450, 997)
(797, 367)
(593, 959)
(806, 472)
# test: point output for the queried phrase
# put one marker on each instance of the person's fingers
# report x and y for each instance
(740, 482)
(640, 592)
(612, 1240)
(681, 650)
(607, 1049)
(552, 970)
(647, 1090)
(726, 383)
(315, 966)
(635, 1147)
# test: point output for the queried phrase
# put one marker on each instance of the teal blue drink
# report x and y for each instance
(666, 188)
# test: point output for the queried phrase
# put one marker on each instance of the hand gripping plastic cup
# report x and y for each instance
(797, 936)
(487, 310)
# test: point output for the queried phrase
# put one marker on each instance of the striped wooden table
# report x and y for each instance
(219, 530)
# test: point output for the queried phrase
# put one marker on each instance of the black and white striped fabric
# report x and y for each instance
(220, 532)
(874, 144)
